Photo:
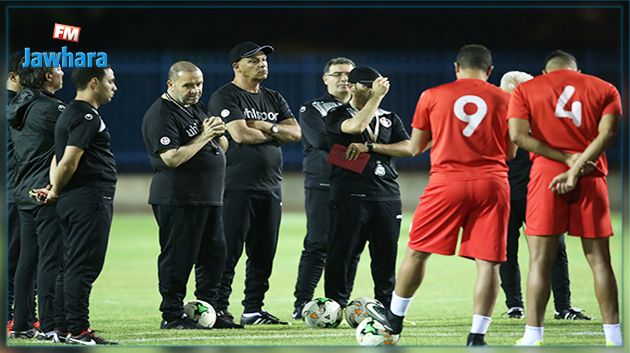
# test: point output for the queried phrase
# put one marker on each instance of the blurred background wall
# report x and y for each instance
(414, 46)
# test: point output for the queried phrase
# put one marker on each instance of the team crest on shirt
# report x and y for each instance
(165, 140)
(385, 121)
(61, 107)
(225, 113)
(88, 116)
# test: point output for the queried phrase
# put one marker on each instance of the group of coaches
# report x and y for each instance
(216, 191)
(62, 177)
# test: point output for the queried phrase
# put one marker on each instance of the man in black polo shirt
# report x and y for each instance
(33, 113)
(365, 205)
(186, 150)
(317, 180)
(258, 120)
(84, 183)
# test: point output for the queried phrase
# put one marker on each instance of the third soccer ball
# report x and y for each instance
(372, 333)
(322, 313)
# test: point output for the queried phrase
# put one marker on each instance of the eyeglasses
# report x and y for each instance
(367, 84)
(338, 74)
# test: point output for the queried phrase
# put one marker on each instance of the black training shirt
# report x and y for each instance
(251, 167)
(10, 159)
(198, 181)
(33, 114)
(315, 141)
(80, 125)
(518, 175)
(367, 186)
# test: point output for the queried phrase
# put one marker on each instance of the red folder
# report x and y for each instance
(337, 157)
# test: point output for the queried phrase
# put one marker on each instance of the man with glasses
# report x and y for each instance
(316, 180)
(365, 199)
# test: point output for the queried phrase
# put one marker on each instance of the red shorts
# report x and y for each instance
(584, 212)
(481, 207)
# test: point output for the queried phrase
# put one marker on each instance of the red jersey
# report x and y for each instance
(467, 120)
(564, 108)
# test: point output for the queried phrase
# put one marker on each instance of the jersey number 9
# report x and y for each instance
(473, 119)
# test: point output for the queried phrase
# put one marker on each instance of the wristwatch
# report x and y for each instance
(274, 129)
(370, 146)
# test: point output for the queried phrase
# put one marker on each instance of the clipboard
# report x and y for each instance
(337, 157)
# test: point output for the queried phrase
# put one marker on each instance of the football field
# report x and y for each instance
(125, 298)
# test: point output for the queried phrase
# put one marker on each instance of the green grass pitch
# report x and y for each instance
(125, 299)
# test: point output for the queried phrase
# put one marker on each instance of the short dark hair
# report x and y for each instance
(474, 56)
(15, 60)
(33, 77)
(338, 61)
(81, 76)
(561, 57)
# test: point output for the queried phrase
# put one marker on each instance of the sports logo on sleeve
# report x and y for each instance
(302, 109)
(225, 113)
(61, 107)
(165, 140)
(385, 121)
(88, 116)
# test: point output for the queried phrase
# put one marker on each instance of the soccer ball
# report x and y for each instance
(372, 333)
(355, 312)
(322, 313)
(201, 312)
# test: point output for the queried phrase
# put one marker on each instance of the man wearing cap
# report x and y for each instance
(365, 204)
(257, 120)
(317, 180)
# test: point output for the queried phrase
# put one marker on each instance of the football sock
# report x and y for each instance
(533, 334)
(480, 324)
(613, 334)
(399, 305)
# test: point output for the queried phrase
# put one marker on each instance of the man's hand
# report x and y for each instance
(585, 168)
(51, 197)
(380, 87)
(354, 150)
(564, 183)
(41, 195)
(213, 127)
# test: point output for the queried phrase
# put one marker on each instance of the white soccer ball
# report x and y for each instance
(201, 312)
(322, 313)
(372, 333)
(355, 312)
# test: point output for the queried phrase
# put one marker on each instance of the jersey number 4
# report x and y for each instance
(576, 107)
(473, 119)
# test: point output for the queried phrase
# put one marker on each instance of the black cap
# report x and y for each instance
(363, 74)
(247, 49)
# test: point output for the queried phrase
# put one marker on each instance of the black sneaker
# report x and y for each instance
(515, 313)
(392, 323)
(571, 314)
(297, 312)
(475, 339)
(88, 338)
(181, 323)
(62, 335)
(261, 318)
(226, 320)
(50, 336)
(28, 334)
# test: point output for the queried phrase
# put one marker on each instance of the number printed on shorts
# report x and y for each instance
(576, 107)
(474, 119)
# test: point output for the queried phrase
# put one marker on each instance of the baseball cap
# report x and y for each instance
(363, 74)
(247, 49)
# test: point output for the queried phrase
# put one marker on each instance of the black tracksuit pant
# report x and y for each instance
(13, 252)
(189, 235)
(85, 214)
(353, 222)
(252, 222)
(40, 258)
(313, 258)
(510, 271)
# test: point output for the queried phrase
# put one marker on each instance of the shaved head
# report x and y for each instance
(558, 60)
(181, 66)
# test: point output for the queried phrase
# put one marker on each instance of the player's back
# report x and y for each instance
(564, 108)
(467, 120)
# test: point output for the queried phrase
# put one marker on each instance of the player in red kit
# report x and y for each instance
(572, 117)
(468, 187)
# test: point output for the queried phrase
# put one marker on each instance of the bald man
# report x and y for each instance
(187, 152)
(567, 119)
